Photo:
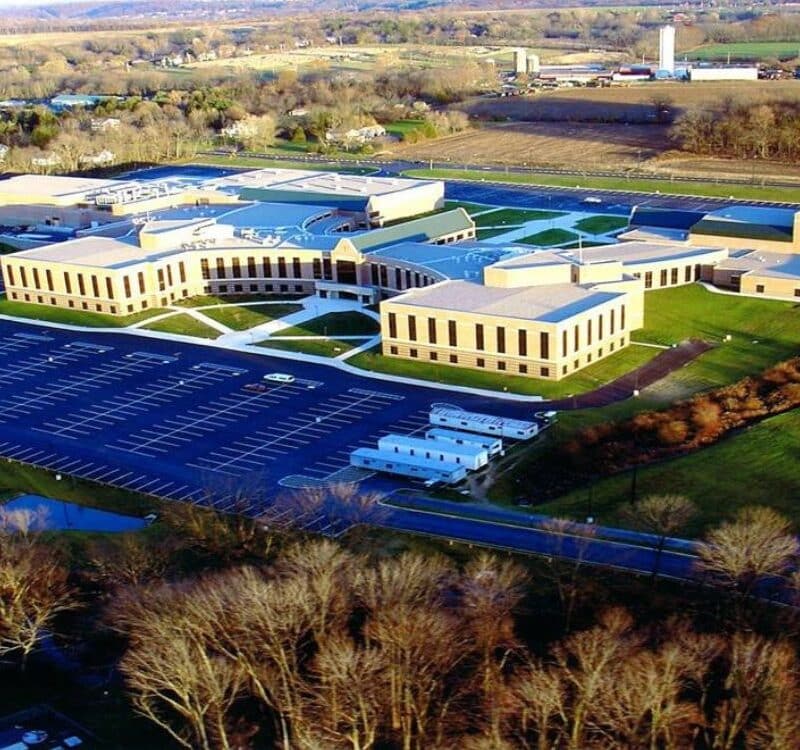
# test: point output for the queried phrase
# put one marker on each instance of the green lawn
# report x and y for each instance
(243, 318)
(672, 315)
(549, 237)
(601, 224)
(184, 324)
(267, 163)
(72, 317)
(5, 248)
(746, 51)
(318, 347)
(335, 324)
(585, 380)
(207, 300)
(470, 208)
(758, 466)
(711, 189)
(485, 234)
(399, 128)
(514, 216)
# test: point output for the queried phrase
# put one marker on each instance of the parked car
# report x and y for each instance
(280, 377)
(256, 387)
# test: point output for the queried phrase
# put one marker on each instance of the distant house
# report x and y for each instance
(356, 135)
(104, 124)
(70, 101)
(51, 160)
(239, 129)
(3, 151)
(101, 159)
(298, 112)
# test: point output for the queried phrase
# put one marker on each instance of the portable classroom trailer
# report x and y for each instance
(470, 455)
(492, 445)
(407, 466)
(485, 424)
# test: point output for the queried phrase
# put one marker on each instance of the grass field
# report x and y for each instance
(184, 324)
(335, 324)
(72, 317)
(485, 234)
(750, 51)
(470, 208)
(585, 380)
(207, 300)
(755, 467)
(242, 318)
(400, 128)
(514, 216)
(317, 347)
(549, 237)
(252, 161)
(704, 189)
(672, 315)
(601, 224)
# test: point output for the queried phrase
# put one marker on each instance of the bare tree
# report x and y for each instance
(662, 516)
(34, 591)
(757, 544)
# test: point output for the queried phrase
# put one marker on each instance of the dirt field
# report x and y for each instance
(626, 103)
(579, 145)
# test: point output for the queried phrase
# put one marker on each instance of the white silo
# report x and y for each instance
(533, 65)
(520, 60)
(666, 48)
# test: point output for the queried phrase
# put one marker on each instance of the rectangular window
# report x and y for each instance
(36, 281)
(663, 277)
(49, 276)
(10, 274)
(236, 266)
(479, 336)
(432, 330)
(412, 353)
(501, 365)
(589, 332)
(408, 279)
(480, 362)
(327, 269)
(251, 268)
(600, 327)
(182, 271)
(451, 333)
(109, 288)
(501, 340)
(373, 269)
(392, 326)
(398, 279)
(384, 273)
(95, 287)
(297, 269)
(544, 345)
(316, 268)
(392, 350)
(81, 285)
(141, 283)
(416, 280)
(522, 343)
(282, 268)
(412, 327)
(674, 276)
(523, 369)
(759, 288)
(433, 356)
(648, 280)
(577, 338)
(697, 272)
(564, 344)
(622, 317)
(169, 275)
(267, 267)
(453, 359)
(23, 275)
(161, 285)
(545, 372)
(67, 283)
(687, 274)
(204, 270)
(611, 323)
(220, 268)
(126, 286)
(797, 292)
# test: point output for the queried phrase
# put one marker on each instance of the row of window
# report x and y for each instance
(321, 268)
(401, 278)
(670, 277)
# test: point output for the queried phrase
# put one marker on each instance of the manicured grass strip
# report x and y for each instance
(601, 224)
(755, 467)
(5, 248)
(318, 347)
(636, 185)
(585, 380)
(672, 315)
(514, 216)
(470, 208)
(73, 317)
(335, 324)
(206, 300)
(184, 324)
(485, 234)
(266, 163)
(549, 237)
(399, 128)
(746, 51)
(242, 318)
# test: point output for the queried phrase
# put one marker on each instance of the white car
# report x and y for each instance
(591, 199)
(280, 377)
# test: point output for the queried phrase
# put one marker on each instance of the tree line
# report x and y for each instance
(234, 634)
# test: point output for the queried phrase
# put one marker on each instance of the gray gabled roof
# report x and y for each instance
(424, 229)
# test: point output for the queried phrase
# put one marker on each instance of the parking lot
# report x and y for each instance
(181, 421)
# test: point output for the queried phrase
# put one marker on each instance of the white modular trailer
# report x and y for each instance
(407, 466)
(472, 456)
(723, 74)
(492, 445)
(485, 424)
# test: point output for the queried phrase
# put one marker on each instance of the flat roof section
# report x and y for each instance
(100, 252)
(550, 303)
(452, 261)
(631, 253)
(54, 186)
(773, 265)
(423, 229)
